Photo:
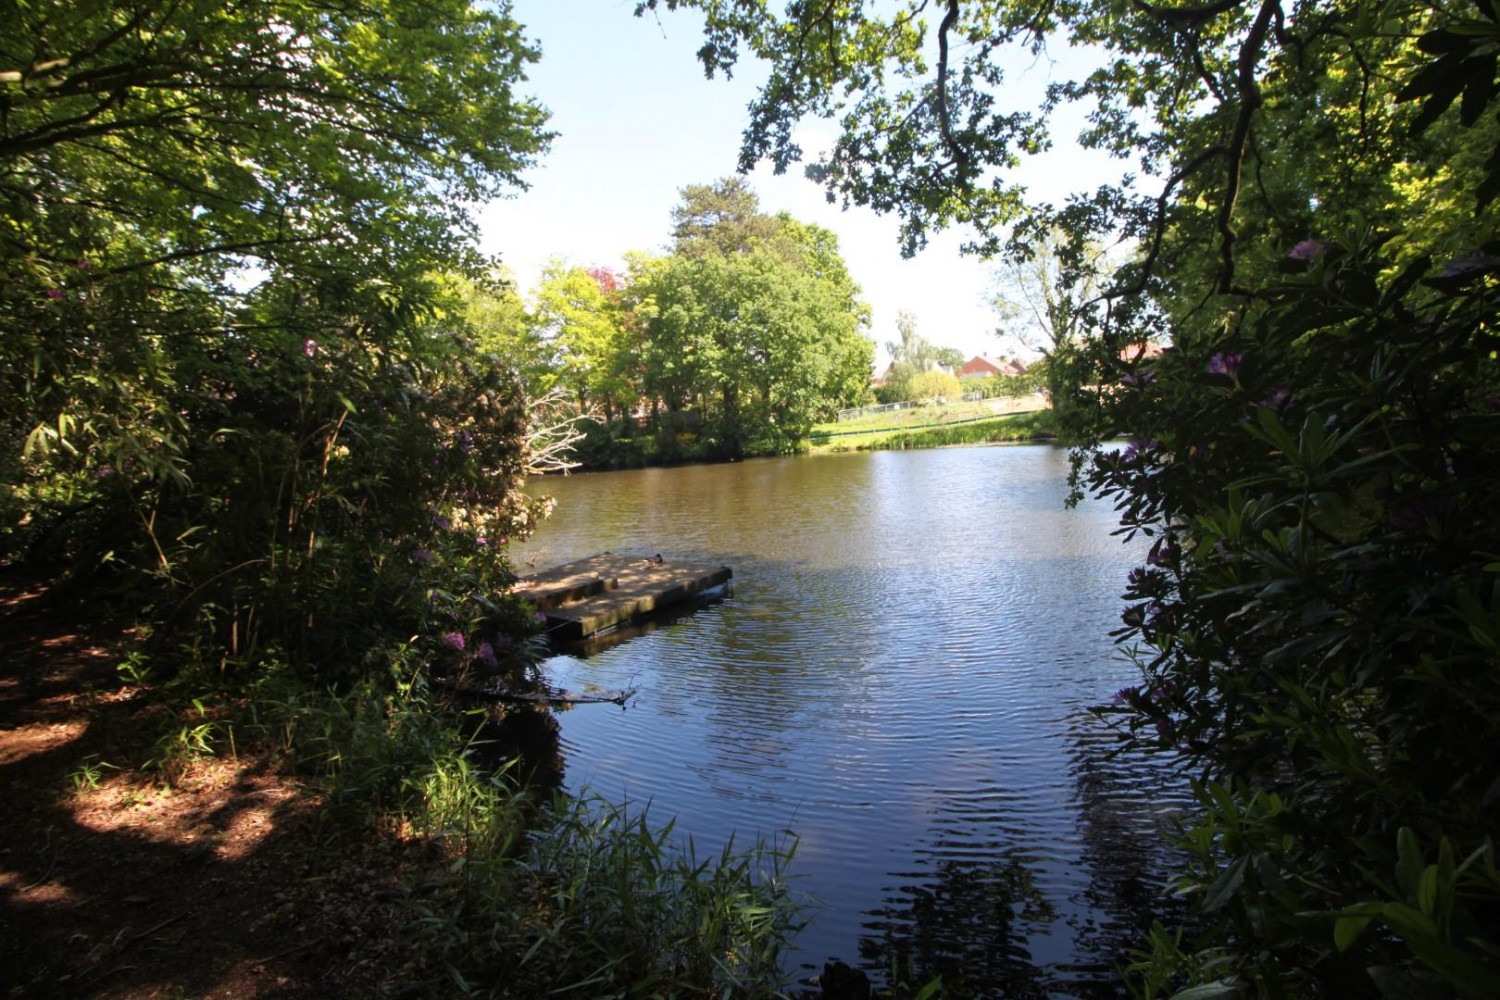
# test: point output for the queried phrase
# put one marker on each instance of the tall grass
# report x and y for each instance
(574, 896)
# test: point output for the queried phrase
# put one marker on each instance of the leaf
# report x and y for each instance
(1209, 991)
(1223, 888)
(1346, 930)
(1409, 865)
(1427, 889)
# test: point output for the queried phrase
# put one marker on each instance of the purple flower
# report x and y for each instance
(541, 617)
(1138, 448)
(1277, 398)
(1125, 694)
(1224, 363)
(54, 293)
(85, 264)
(454, 641)
(1163, 553)
(1308, 250)
(485, 654)
(481, 541)
(422, 556)
(309, 347)
(441, 523)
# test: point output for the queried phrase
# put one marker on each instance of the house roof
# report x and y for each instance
(982, 365)
(1141, 350)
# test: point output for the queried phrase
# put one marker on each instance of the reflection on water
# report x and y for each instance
(902, 677)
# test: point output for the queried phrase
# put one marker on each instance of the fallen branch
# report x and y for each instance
(557, 697)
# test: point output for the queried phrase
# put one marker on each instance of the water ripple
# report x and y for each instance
(902, 675)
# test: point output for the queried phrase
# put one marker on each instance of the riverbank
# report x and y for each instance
(937, 425)
(1037, 425)
(297, 844)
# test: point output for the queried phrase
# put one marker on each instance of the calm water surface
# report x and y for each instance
(902, 677)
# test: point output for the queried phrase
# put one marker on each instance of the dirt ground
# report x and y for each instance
(116, 883)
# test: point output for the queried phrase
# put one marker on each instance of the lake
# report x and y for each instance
(902, 676)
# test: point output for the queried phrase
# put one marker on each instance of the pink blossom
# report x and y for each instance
(309, 347)
(454, 641)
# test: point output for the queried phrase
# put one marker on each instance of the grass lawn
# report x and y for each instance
(926, 426)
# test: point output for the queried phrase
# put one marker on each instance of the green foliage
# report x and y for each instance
(631, 911)
(1034, 380)
(89, 772)
(231, 384)
(914, 356)
(745, 338)
(734, 344)
(500, 325)
(578, 314)
(528, 897)
(934, 386)
(754, 325)
(1319, 604)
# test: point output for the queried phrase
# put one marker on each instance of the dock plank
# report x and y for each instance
(582, 598)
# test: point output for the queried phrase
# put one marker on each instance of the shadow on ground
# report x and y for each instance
(114, 884)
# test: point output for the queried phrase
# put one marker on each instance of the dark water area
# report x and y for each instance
(902, 677)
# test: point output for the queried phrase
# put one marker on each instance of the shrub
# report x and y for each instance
(934, 385)
(1318, 624)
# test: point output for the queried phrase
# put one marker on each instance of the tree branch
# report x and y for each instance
(960, 155)
(1250, 102)
(1187, 15)
(1159, 226)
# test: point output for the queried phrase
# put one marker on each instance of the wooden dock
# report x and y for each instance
(582, 598)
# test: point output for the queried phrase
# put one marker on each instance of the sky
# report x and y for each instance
(637, 120)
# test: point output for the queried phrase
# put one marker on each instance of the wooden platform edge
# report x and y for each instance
(582, 598)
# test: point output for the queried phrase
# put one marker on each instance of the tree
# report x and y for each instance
(851, 353)
(231, 364)
(1045, 290)
(933, 386)
(755, 318)
(1315, 622)
(1049, 287)
(913, 355)
(722, 218)
(754, 340)
(578, 312)
(500, 325)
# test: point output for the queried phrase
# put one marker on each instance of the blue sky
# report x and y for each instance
(637, 120)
